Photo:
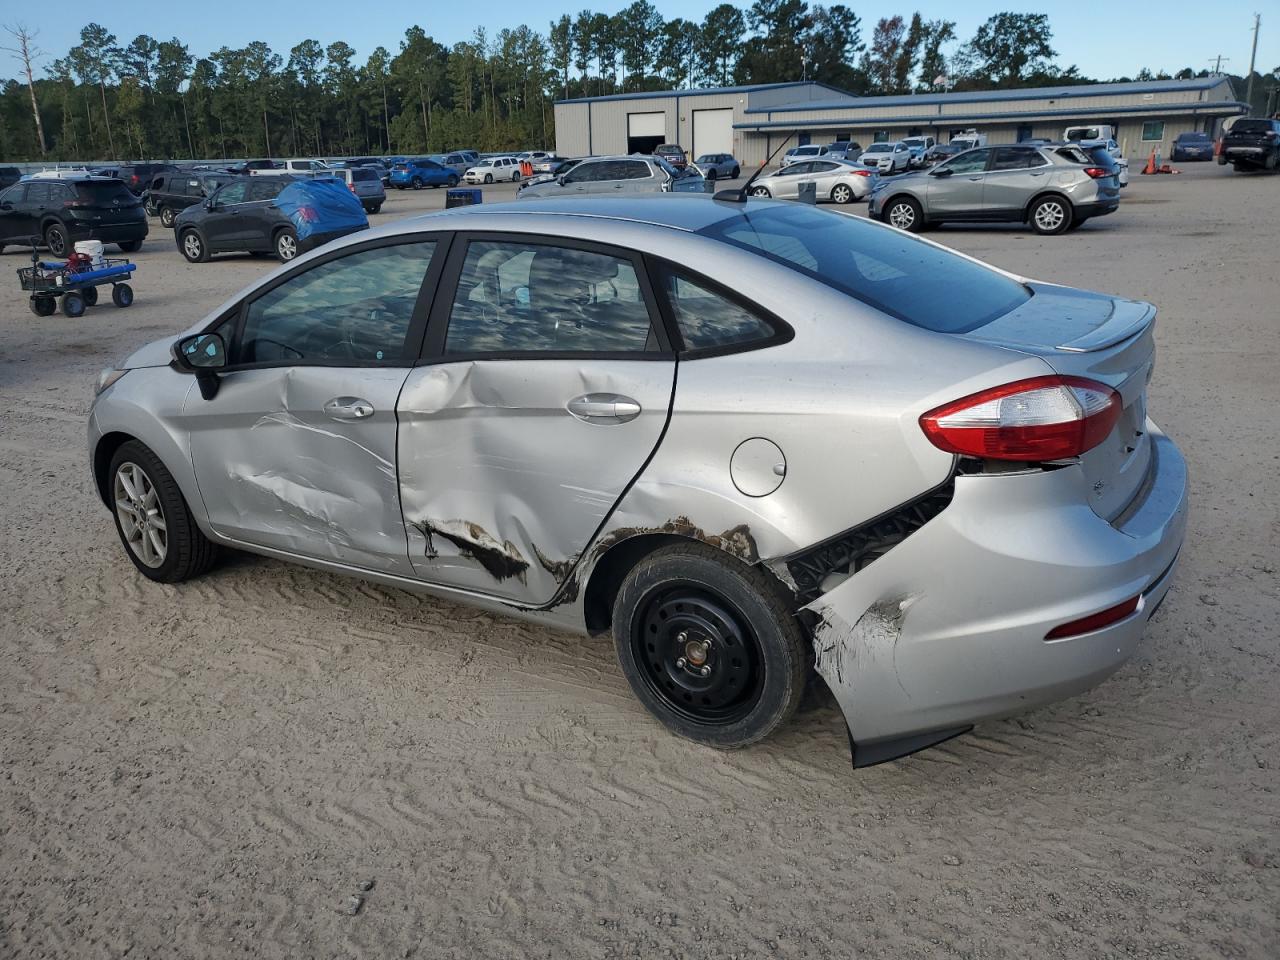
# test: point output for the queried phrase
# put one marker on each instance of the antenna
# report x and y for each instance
(740, 195)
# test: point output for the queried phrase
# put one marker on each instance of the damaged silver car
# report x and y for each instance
(748, 440)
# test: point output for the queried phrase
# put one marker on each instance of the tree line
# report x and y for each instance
(149, 98)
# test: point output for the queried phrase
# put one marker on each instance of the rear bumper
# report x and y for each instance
(948, 627)
(1098, 208)
(107, 233)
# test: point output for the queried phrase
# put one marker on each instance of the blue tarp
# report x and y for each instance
(323, 205)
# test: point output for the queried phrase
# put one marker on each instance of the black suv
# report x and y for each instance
(243, 216)
(61, 212)
(9, 176)
(137, 176)
(171, 193)
(1252, 143)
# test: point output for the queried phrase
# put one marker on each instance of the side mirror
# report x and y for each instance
(562, 179)
(209, 204)
(940, 172)
(203, 354)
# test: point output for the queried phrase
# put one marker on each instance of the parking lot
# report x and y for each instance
(214, 769)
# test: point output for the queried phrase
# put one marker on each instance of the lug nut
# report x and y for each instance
(705, 671)
(682, 663)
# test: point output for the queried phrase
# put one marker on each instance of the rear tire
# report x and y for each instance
(1050, 216)
(176, 550)
(452, 182)
(121, 294)
(710, 646)
(130, 246)
(193, 247)
(417, 183)
(735, 174)
(43, 306)
(905, 214)
(286, 245)
(711, 175)
(90, 295)
(842, 193)
(56, 239)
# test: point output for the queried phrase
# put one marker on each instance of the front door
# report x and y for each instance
(17, 221)
(225, 225)
(297, 451)
(547, 387)
(960, 193)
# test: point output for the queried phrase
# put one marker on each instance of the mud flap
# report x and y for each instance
(870, 754)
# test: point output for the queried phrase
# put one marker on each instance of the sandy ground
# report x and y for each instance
(212, 770)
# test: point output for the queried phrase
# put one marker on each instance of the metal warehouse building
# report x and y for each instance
(751, 121)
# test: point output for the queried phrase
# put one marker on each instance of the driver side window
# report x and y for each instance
(975, 161)
(352, 311)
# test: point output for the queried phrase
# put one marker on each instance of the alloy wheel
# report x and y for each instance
(286, 246)
(140, 514)
(191, 246)
(698, 654)
(841, 194)
(902, 216)
(1050, 215)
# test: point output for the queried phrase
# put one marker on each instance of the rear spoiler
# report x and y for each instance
(1128, 318)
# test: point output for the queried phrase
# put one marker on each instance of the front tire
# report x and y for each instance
(152, 518)
(842, 193)
(167, 216)
(709, 646)
(121, 294)
(130, 246)
(1050, 216)
(761, 192)
(73, 305)
(43, 306)
(452, 182)
(735, 174)
(905, 214)
(488, 178)
(90, 295)
(286, 245)
(417, 183)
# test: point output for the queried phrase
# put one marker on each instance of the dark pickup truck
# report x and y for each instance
(1252, 143)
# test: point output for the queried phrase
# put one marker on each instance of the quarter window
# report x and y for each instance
(1153, 130)
(707, 319)
(517, 297)
(353, 311)
(1016, 158)
(632, 170)
(265, 189)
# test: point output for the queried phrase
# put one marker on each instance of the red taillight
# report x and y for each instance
(1044, 418)
(1095, 621)
(352, 187)
(1097, 172)
(862, 173)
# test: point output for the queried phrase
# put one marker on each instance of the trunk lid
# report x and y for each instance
(1106, 339)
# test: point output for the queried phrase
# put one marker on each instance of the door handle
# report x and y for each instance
(975, 179)
(603, 408)
(348, 408)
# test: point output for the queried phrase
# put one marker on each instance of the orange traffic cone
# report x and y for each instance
(1151, 163)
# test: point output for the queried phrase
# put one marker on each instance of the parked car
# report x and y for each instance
(547, 164)
(248, 215)
(171, 193)
(1103, 156)
(62, 173)
(490, 169)
(535, 156)
(423, 172)
(844, 150)
(1192, 145)
(60, 212)
(886, 157)
(366, 184)
(294, 165)
(919, 148)
(941, 151)
(1049, 189)
(1252, 143)
(1089, 133)
(673, 153)
(9, 176)
(969, 140)
(1017, 519)
(808, 152)
(458, 162)
(251, 166)
(839, 181)
(613, 175)
(137, 176)
(715, 166)
(470, 157)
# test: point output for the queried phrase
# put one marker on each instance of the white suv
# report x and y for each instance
(493, 168)
(808, 152)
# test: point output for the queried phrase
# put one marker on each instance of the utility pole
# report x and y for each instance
(1253, 57)
(1217, 64)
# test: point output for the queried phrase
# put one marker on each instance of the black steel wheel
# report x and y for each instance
(735, 173)
(709, 645)
(43, 306)
(121, 294)
(73, 304)
(90, 295)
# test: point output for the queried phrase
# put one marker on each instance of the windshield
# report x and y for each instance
(887, 269)
(914, 141)
(878, 148)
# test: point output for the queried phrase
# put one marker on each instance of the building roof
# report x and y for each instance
(987, 96)
(706, 91)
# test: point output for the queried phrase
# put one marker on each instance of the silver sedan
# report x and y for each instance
(929, 481)
(840, 181)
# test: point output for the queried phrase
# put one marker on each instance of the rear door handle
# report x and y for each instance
(603, 408)
(348, 408)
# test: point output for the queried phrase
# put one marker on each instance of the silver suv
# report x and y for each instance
(1054, 189)
(614, 175)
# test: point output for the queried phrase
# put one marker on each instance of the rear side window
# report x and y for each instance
(707, 319)
(352, 311)
(631, 170)
(518, 297)
(263, 189)
(887, 269)
(1016, 158)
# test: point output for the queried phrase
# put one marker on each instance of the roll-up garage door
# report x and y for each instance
(712, 131)
(646, 131)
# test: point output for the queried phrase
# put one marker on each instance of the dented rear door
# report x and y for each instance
(547, 387)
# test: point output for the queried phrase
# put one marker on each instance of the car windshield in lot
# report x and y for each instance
(906, 278)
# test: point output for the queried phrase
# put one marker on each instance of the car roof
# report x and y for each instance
(686, 212)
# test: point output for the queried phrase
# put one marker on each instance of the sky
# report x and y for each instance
(1103, 39)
